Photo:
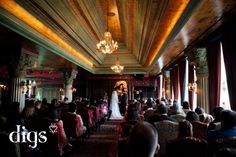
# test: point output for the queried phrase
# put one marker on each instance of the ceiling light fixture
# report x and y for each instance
(108, 45)
(117, 68)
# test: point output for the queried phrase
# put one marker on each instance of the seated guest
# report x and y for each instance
(169, 102)
(62, 140)
(39, 115)
(45, 104)
(176, 112)
(143, 140)
(65, 100)
(228, 127)
(39, 112)
(199, 128)
(186, 145)
(185, 129)
(14, 117)
(64, 105)
(132, 113)
(139, 107)
(7, 147)
(186, 107)
(73, 122)
(149, 110)
(27, 117)
(53, 107)
(160, 115)
(131, 118)
(226, 152)
(215, 124)
(192, 116)
(204, 117)
(158, 101)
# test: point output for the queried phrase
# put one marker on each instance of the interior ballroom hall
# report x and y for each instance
(117, 78)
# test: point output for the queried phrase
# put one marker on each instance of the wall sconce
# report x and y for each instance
(163, 90)
(31, 84)
(167, 92)
(23, 87)
(2, 86)
(61, 90)
(34, 83)
(192, 87)
(74, 90)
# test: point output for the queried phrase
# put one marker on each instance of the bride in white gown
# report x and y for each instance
(114, 107)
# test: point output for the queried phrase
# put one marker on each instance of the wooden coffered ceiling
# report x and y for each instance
(150, 33)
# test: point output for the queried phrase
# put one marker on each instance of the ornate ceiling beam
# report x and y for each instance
(25, 17)
(178, 9)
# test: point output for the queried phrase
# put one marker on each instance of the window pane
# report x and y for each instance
(224, 95)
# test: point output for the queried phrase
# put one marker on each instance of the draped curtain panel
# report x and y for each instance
(182, 71)
(163, 86)
(172, 79)
(214, 64)
(158, 87)
(175, 79)
(229, 51)
(203, 93)
(191, 80)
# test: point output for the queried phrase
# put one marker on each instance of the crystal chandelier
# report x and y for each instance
(117, 68)
(108, 45)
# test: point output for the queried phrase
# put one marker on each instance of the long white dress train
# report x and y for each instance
(114, 107)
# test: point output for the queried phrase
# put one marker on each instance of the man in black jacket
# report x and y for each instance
(124, 101)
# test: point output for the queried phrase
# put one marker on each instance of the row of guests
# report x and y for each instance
(73, 121)
(143, 141)
(204, 125)
(148, 106)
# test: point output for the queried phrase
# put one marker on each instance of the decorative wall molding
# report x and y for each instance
(198, 57)
(25, 61)
(70, 76)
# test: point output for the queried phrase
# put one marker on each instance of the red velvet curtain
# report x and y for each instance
(163, 86)
(158, 87)
(229, 51)
(182, 71)
(214, 64)
(172, 79)
(191, 80)
(175, 81)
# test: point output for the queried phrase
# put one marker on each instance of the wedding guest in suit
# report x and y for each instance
(228, 127)
(161, 114)
(215, 124)
(124, 101)
(143, 140)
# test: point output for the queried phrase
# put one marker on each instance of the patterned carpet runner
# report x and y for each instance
(102, 143)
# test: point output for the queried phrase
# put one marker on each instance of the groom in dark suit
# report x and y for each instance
(123, 101)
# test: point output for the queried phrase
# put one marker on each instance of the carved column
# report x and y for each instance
(0, 96)
(167, 89)
(132, 90)
(199, 58)
(69, 77)
(18, 81)
(87, 88)
(129, 90)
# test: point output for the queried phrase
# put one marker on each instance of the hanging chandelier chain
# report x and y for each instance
(107, 14)
(108, 45)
